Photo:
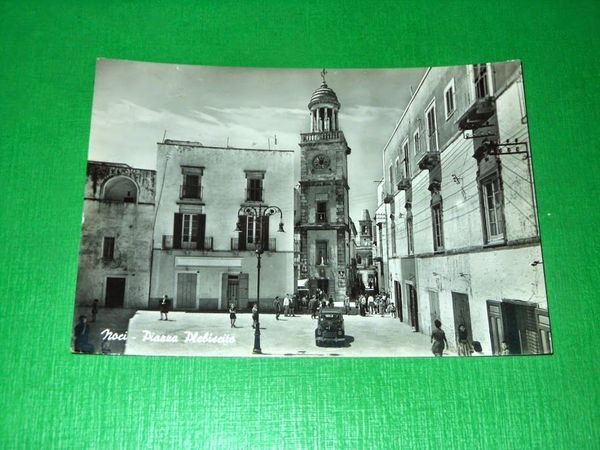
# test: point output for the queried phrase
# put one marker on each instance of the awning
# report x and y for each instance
(303, 283)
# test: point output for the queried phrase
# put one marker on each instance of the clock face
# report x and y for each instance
(321, 162)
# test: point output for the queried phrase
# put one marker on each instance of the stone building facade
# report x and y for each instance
(457, 209)
(116, 237)
(324, 225)
(366, 271)
(206, 234)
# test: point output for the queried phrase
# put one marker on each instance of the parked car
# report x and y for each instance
(330, 327)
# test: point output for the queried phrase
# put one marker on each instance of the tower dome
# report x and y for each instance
(324, 107)
(324, 95)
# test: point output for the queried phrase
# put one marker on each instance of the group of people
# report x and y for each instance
(381, 304)
(465, 346)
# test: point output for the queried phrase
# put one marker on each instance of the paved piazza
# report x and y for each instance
(209, 334)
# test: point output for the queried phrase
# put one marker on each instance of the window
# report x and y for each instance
(254, 191)
(417, 140)
(253, 230)
(406, 159)
(399, 174)
(391, 186)
(432, 143)
(321, 212)
(192, 183)
(481, 80)
(254, 185)
(409, 236)
(189, 232)
(393, 233)
(191, 186)
(438, 235)
(108, 249)
(491, 196)
(321, 247)
(449, 99)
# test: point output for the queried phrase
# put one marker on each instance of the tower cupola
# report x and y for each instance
(324, 106)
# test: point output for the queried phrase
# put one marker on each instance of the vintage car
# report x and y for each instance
(330, 327)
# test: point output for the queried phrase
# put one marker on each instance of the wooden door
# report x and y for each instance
(186, 291)
(434, 309)
(495, 324)
(115, 292)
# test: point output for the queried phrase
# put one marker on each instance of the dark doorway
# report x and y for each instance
(462, 313)
(115, 292)
(414, 307)
(398, 291)
(323, 284)
(233, 286)
(520, 328)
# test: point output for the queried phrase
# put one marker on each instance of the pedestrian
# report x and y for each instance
(82, 336)
(363, 306)
(164, 307)
(393, 309)
(232, 315)
(330, 301)
(255, 316)
(314, 307)
(293, 303)
(277, 307)
(438, 339)
(347, 304)
(286, 305)
(94, 310)
(464, 346)
(371, 302)
(504, 350)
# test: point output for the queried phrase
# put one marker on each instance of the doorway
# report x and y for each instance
(462, 313)
(186, 291)
(115, 292)
(434, 309)
(520, 328)
(233, 289)
(413, 307)
(323, 285)
(398, 292)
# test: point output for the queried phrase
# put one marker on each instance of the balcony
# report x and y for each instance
(167, 244)
(403, 184)
(388, 198)
(478, 114)
(190, 192)
(320, 136)
(428, 160)
(271, 245)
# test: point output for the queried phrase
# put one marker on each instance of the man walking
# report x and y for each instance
(277, 307)
(164, 307)
(286, 305)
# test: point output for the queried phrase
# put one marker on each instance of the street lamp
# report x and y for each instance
(258, 212)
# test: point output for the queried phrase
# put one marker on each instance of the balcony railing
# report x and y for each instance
(191, 192)
(167, 244)
(321, 136)
(321, 217)
(271, 245)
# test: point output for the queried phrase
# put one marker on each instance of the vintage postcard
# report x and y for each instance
(310, 212)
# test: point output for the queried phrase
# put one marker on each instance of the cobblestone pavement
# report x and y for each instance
(210, 334)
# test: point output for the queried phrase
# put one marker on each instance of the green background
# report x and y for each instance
(52, 399)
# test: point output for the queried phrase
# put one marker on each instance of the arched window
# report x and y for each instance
(120, 189)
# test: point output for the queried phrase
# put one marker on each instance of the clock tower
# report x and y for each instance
(324, 225)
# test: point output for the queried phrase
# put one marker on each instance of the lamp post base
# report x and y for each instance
(256, 350)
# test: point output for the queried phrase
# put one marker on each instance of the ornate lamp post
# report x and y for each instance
(258, 212)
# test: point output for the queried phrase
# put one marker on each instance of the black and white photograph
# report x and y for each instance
(321, 212)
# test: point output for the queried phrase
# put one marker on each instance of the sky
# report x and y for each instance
(136, 104)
